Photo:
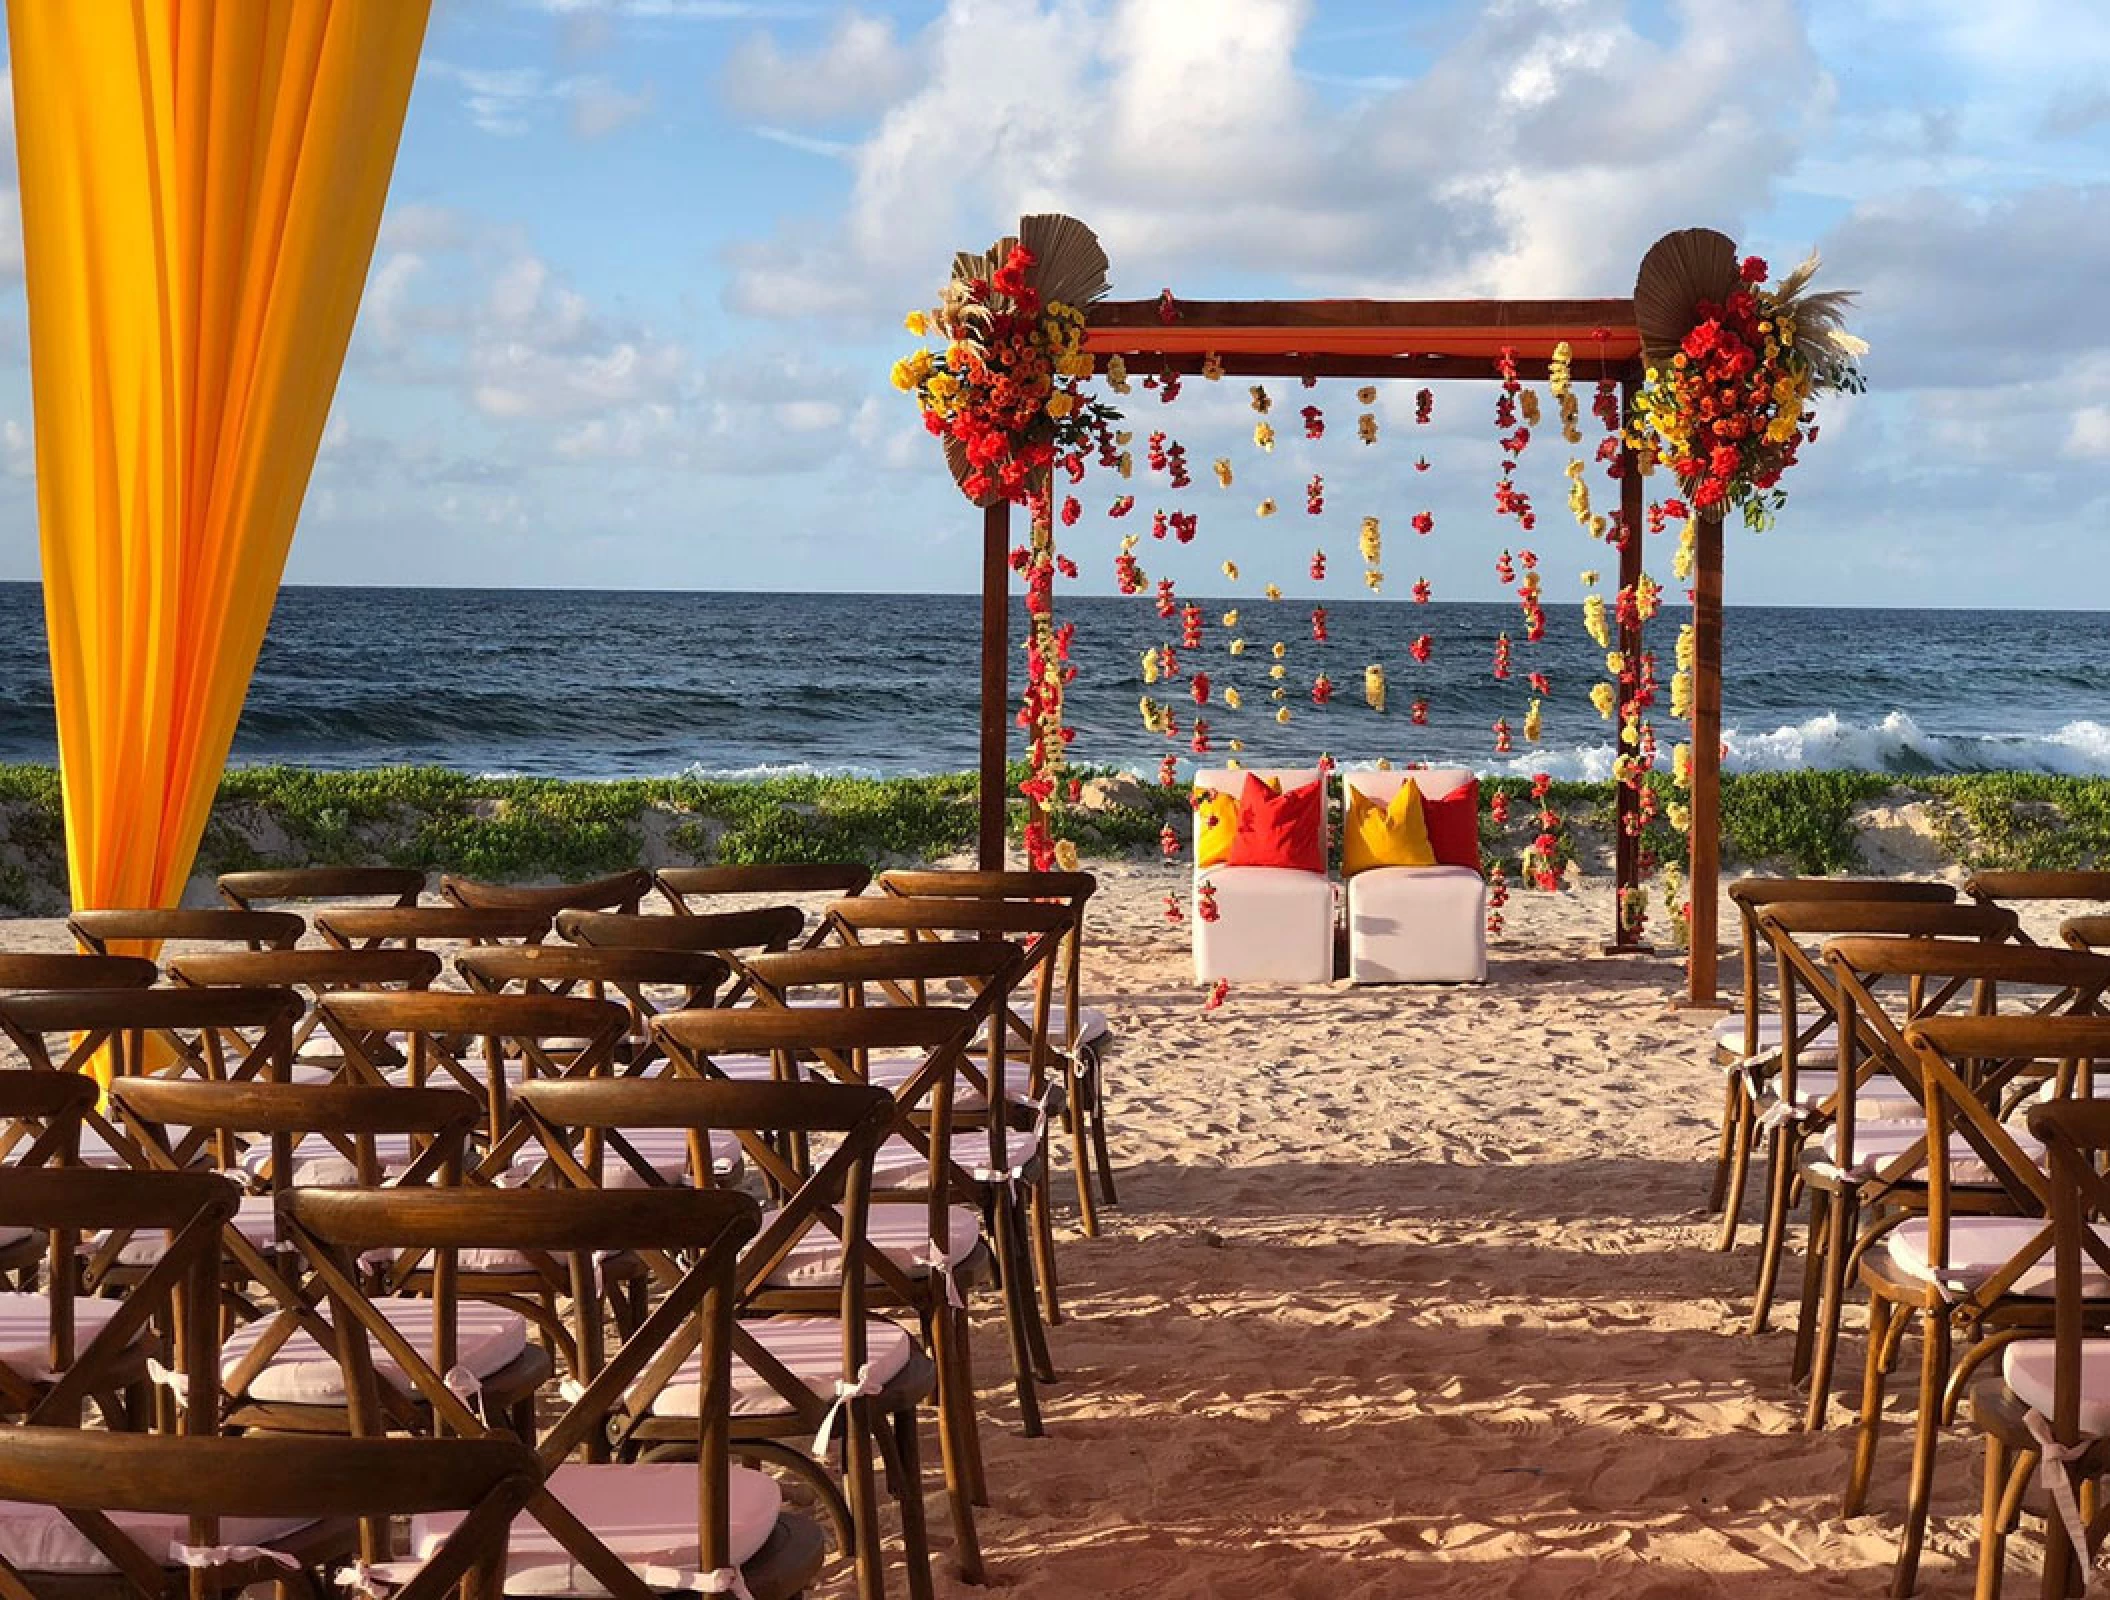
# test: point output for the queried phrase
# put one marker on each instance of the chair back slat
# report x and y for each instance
(620, 891)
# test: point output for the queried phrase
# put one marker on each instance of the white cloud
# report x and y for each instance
(811, 144)
(858, 70)
(1539, 153)
(599, 108)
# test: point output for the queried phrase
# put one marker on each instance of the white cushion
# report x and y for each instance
(664, 1150)
(488, 1339)
(898, 1164)
(25, 1329)
(1881, 1099)
(1878, 1144)
(897, 1230)
(646, 1514)
(255, 1215)
(2030, 1367)
(36, 1538)
(1729, 1034)
(319, 1164)
(1417, 925)
(811, 1347)
(1273, 925)
(890, 1072)
(1979, 1246)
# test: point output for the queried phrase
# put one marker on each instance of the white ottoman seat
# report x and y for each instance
(1415, 924)
(1272, 924)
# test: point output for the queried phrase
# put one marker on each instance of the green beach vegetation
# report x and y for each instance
(542, 828)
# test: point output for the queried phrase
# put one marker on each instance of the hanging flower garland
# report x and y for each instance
(1006, 397)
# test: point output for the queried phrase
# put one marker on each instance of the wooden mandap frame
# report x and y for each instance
(1417, 340)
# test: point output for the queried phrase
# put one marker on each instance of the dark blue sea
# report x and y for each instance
(595, 685)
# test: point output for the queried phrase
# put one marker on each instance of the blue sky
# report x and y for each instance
(644, 264)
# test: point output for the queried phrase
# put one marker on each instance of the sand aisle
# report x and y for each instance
(1411, 1295)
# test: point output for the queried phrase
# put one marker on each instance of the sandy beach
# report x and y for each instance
(1410, 1293)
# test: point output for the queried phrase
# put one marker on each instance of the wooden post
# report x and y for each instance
(996, 693)
(1706, 762)
(1626, 802)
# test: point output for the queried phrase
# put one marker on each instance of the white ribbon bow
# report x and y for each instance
(935, 1259)
(1009, 1177)
(724, 1580)
(226, 1555)
(2059, 1484)
(363, 1578)
(865, 1385)
(466, 1387)
(1781, 1111)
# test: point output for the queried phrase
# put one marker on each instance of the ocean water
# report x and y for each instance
(594, 685)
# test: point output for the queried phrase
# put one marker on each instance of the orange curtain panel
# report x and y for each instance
(202, 181)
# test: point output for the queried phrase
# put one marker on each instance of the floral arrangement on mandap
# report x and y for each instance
(1733, 369)
(1006, 396)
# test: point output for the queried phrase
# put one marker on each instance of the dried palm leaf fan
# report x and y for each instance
(1680, 270)
(1069, 265)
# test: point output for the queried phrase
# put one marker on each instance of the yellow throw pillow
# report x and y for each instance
(1385, 836)
(1215, 826)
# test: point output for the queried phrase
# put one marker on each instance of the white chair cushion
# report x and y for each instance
(898, 1231)
(1881, 1099)
(25, 1329)
(664, 1150)
(811, 1347)
(318, 1164)
(1273, 925)
(2030, 1367)
(1878, 1144)
(897, 1164)
(1979, 1246)
(645, 1514)
(1729, 1034)
(890, 1072)
(1417, 925)
(255, 1216)
(36, 1538)
(304, 1373)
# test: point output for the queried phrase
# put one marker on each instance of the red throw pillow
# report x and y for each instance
(1280, 830)
(1454, 825)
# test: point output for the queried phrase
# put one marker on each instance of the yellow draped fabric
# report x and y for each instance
(202, 182)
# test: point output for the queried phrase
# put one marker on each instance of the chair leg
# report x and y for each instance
(1718, 1189)
(1934, 1375)
(1018, 1306)
(1810, 1293)
(1992, 1528)
(1095, 1115)
(1043, 1219)
(1739, 1169)
(859, 1490)
(1073, 1120)
(908, 1494)
(1844, 1215)
(1772, 1238)
(1029, 1293)
(955, 1431)
(1881, 1315)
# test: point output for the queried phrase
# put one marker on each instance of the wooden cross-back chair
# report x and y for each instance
(1977, 1275)
(729, 935)
(230, 1034)
(925, 1240)
(246, 891)
(619, 891)
(366, 927)
(835, 1378)
(999, 1159)
(1749, 1035)
(313, 973)
(1799, 1108)
(181, 1517)
(1872, 1179)
(1043, 929)
(2046, 1414)
(97, 931)
(670, 1527)
(1076, 1031)
(64, 1349)
(303, 1133)
(1924, 1206)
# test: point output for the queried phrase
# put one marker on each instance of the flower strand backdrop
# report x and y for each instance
(1342, 468)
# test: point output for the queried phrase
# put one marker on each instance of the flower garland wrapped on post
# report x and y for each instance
(1006, 396)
